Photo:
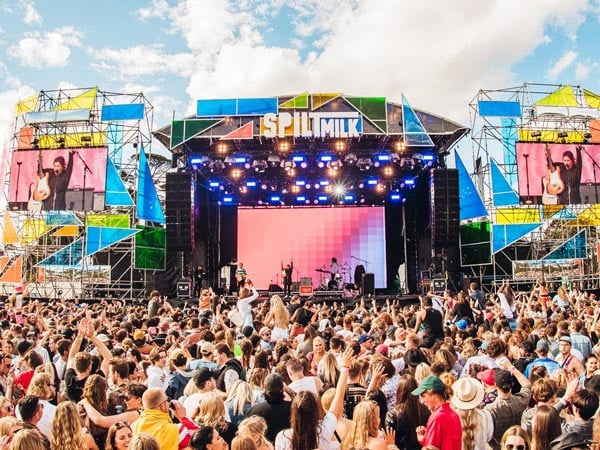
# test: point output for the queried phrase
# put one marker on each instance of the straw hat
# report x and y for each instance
(468, 393)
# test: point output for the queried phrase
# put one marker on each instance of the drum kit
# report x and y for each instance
(339, 280)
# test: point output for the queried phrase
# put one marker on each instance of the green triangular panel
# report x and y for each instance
(182, 130)
(69, 256)
(176, 133)
(575, 247)
(148, 205)
(414, 131)
(150, 248)
(116, 192)
(98, 238)
(372, 108)
(504, 235)
(502, 192)
(108, 220)
(60, 218)
(564, 96)
(470, 203)
(300, 101)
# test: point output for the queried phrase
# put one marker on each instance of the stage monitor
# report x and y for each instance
(558, 174)
(311, 237)
(63, 180)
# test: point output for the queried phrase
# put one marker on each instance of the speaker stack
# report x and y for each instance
(445, 219)
(178, 210)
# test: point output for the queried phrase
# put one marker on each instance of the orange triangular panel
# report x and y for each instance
(25, 138)
(563, 96)
(41, 275)
(67, 230)
(10, 235)
(318, 100)
(3, 262)
(14, 274)
(25, 106)
(85, 100)
(246, 131)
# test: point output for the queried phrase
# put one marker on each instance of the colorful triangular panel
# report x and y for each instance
(318, 100)
(148, 205)
(69, 256)
(14, 274)
(504, 235)
(27, 105)
(588, 217)
(116, 192)
(246, 131)
(57, 218)
(575, 247)
(114, 141)
(550, 210)
(98, 238)
(300, 101)
(4, 262)
(503, 193)
(67, 230)
(414, 131)
(564, 96)
(564, 213)
(372, 108)
(33, 229)
(591, 99)
(10, 235)
(471, 205)
(85, 101)
(150, 248)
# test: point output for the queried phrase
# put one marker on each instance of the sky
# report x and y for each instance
(438, 54)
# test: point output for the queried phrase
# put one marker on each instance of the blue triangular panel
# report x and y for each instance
(148, 206)
(509, 141)
(503, 194)
(69, 256)
(114, 141)
(98, 238)
(574, 248)
(414, 131)
(504, 235)
(116, 192)
(564, 213)
(60, 218)
(471, 205)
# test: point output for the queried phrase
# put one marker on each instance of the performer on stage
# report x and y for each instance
(334, 268)
(240, 275)
(286, 276)
(198, 275)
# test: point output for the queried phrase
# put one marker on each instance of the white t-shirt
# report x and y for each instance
(305, 384)
(506, 309)
(325, 433)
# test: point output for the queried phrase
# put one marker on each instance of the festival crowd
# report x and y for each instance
(504, 370)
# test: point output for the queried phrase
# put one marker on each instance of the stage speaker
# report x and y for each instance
(368, 284)
(178, 210)
(296, 287)
(184, 289)
(77, 199)
(306, 281)
(438, 285)
(588, 193)
(275, 288)
(444, 211)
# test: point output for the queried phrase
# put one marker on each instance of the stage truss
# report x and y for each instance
(528, 241)
(51, 251)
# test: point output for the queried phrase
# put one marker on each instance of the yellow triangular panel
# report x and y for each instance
(25, 106)
(591, 99)
(550, 136)
(10, 235)
(33, 229)
(563, 96)
(97, 139)
(588, 217)
(85, 100)
(14, 274)
(299, 101)
(67, 230)
(549, 210)
(506, 216)
(318, 100)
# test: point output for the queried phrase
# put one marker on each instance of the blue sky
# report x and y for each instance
(438, 54)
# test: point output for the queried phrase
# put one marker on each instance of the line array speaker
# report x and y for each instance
(368, 283)
(178, 210)
(445, 219)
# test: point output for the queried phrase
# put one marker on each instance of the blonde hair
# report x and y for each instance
(40, 386)
(327, 398)
(6, 424)
(143, 441)
(422, 371)
(66, 428)
(329, 369)
(243, 443)
(255, 427)
(27, 439)
(211, 411)
(471, 423)
(281, 315)
(365, 425)
(240, 395)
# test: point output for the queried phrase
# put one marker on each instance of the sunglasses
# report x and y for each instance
(514, 447)
(9, 408)
(119, 425)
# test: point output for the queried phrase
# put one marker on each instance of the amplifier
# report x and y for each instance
(306, 291)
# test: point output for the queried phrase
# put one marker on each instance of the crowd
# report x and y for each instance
(505, 370)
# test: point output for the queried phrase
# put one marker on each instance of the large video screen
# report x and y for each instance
(311, 237)
(560, 174)
(45, 180)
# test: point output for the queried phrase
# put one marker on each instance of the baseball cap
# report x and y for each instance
(462, 324)
(383, 349)
(103, 337)
(430, 383)
(503, 378)
(263, 330)
(202, 375)
(19, 288)
(206, 348)
(486, 377)
(364, 338)
(273, 383)
(565, 339)
(542, 346)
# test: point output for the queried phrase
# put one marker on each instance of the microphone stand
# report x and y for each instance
(362, 260)
(526, 156)
(85, 168)
(594, 165)
(18, 177)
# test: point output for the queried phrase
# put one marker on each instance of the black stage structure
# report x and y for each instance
(312, 151)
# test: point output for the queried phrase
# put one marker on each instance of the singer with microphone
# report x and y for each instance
(286, 276)
(58, 182)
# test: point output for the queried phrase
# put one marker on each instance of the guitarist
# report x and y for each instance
(570, 174)
(58, 181)
(286, 275)
(240, 275)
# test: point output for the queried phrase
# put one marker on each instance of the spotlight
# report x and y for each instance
(350, 159)
(259, 165)
(288, 165)
(340, 145)
(536, 134)
(364, 164)
(216, 166)
(274, 160)
(563, 134)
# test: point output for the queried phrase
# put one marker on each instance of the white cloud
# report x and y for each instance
(563, 63)
(31, 16)
(52, 49)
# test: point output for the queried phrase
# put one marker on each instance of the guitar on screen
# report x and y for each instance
(39, 190)
(552, 182)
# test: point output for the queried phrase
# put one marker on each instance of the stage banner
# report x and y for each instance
(554, 269)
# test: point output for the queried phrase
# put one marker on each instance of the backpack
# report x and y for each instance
(176, 385)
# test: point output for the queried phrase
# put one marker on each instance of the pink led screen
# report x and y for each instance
(311, 237)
